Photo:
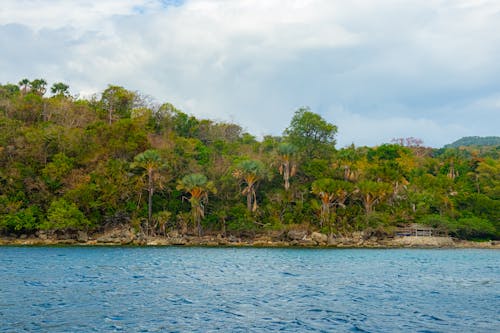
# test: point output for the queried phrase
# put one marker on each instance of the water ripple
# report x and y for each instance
(248, 290)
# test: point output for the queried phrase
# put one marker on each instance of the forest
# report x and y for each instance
(117, 158)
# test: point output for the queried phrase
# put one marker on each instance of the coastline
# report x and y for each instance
(121, 237)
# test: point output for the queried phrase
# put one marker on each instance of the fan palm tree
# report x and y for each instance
(330, 192)
(372, 193)
(24, 85)
(39, 86)
(249, 172)
(198, 187)
(287, 167)
(59, 89)
(149, 161)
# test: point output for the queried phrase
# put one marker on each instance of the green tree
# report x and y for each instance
(198, 187)
(118, 102)
(250, 172)
(372, 193)
(60, 89)
(149, 161)
(287, 167)
(311, 133)
(63, 215)
(24, 84)
(331, 192)
(38, 86)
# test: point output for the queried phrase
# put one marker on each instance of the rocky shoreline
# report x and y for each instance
(292, 238)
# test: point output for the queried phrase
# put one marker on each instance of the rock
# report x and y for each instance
(23, 236)
(67, 241)
(178, 241)
(423, 241)
(222, 241)
(307, 242)
(296, 235)
(233, 239)
(82, 236)
(358, 235)
(105, 239)
(332, 241)
(319, 238)
(41, 234)
(278, 235)
(173, 234)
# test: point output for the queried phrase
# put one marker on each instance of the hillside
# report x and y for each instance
(475, 141)
(115, 160)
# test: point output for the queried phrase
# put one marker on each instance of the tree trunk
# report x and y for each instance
(150, 199)
(286, 175)
(198, 222)
(249, 198)
(368, 204)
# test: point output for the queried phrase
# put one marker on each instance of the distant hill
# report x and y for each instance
(475, 141)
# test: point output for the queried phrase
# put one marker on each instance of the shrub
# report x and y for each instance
(64, 215)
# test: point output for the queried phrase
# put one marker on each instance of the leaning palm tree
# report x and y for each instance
(287, 167)
(198, 186)
(149, 161)
(249, 172)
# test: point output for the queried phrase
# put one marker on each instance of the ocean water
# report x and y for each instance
(102, 289)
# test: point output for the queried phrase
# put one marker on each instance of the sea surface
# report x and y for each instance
(103, 289)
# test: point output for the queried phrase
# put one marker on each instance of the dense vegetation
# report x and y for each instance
(475, 141)
(116, 159)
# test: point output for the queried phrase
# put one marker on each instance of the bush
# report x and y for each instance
(473, 228)
(64, 215)
(22, 221)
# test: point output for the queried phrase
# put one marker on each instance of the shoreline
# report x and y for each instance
(420, 242)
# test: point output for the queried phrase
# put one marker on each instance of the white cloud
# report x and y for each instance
(417, 66)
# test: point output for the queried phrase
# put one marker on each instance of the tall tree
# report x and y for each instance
(287, 167)
(149, 161)
(198, 187)
(60, 89)
(331, 192)
(250, 172)
(372, 193)
(313, 135)
(117, 101)
(38, 86)
(24, 84)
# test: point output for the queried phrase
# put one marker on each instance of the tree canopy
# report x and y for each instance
(69, 163)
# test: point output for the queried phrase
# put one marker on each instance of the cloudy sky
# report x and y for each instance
(377, 69)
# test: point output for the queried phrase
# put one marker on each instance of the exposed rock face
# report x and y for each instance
(423, 241)
(41, 234)
(173, 234)
(297, 234)
(117, 236)
(82, 236)
(319, 238)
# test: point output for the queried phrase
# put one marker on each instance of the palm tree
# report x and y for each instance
(149, 161)
(24, 85)
(372, 193)
(38, 86)
(59, 89)
(249, 172)
(287, 168)
(331, 192)
(198, 186)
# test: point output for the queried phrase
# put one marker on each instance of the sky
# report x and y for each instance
(378, 69)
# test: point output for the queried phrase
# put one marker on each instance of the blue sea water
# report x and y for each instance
(77, 289)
